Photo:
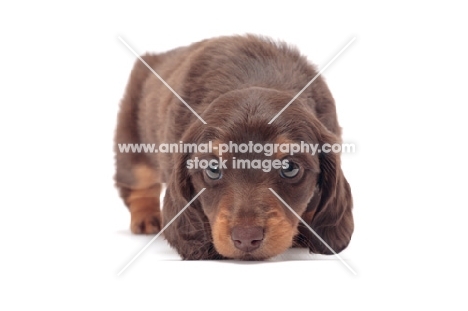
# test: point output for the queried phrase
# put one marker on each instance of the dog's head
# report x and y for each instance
(246, 219)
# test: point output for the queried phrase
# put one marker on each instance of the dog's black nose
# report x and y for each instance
(247, 239)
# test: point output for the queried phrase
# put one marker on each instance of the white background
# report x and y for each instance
(400, 90)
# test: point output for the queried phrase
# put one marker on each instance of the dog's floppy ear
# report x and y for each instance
(180, 189)
(180, 184)
(189, 233)
(332, 209)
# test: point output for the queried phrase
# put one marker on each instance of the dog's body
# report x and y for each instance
(237, 85)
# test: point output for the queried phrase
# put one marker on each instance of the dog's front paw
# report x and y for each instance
(145, 216)
(146, 223)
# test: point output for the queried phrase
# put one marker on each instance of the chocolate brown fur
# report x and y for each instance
(237, 85)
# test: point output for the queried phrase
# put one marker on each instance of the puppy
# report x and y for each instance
(236, 85)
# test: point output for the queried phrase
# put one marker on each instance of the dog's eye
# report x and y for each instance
(213, 171)
(291, 171)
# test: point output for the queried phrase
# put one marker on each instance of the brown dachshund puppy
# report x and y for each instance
(237, 85)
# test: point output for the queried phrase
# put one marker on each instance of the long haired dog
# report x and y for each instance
(237, 85)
